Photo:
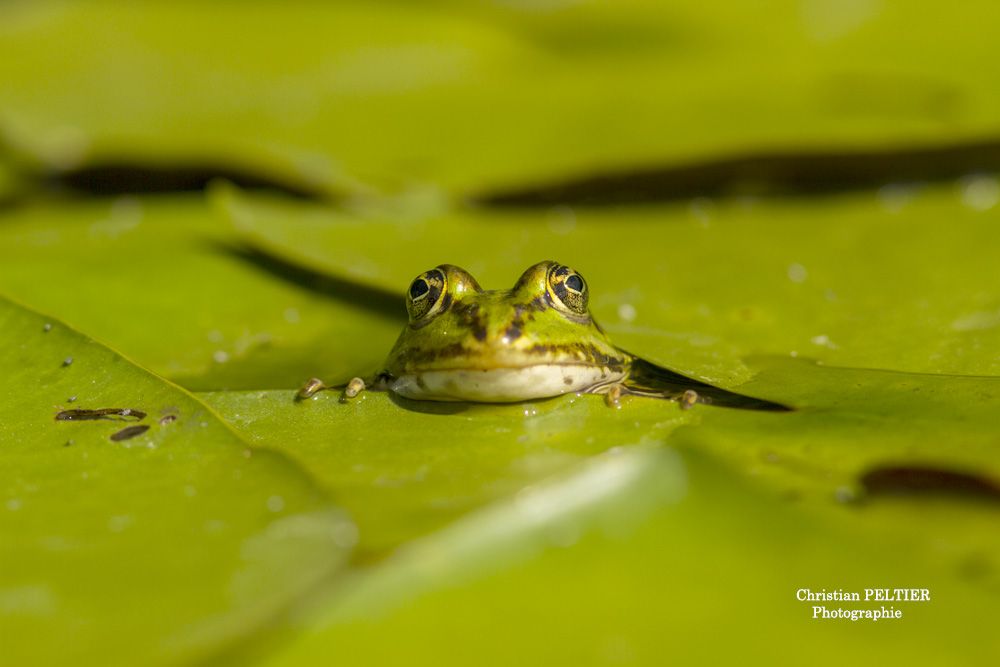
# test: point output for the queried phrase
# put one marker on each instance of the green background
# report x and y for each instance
(253, 529)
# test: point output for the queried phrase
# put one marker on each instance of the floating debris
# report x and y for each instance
(67, 361)
(100, 413)
(908, 480)
(166, 419)
(129, 432)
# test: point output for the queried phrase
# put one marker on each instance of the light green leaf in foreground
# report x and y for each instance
(403, 469)
(643, 556)
(159, 548)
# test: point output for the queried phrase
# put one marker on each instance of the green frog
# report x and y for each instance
(535, 340)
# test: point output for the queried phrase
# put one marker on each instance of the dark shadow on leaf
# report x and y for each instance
(123, 178)
(928, 481)
(429, 407)
(791, 173)
(389, 304)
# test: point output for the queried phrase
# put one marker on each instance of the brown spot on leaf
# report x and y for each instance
(129, 432)
(908, 480)
(116, 414)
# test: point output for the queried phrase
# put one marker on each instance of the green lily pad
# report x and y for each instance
(467, 96)
(161, 281)
(404, 469)
(848, 422)
(161, 544)
(644, 556)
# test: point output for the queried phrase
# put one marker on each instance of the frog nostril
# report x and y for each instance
(512, 333)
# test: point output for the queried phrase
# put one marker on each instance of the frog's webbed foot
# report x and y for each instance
(648, 379)
(613, 396)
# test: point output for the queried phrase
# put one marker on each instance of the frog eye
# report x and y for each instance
(568, 289)
(425, 296)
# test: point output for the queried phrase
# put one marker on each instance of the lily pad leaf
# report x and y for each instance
(235, 320)
(639, 555)
(138, 527)
(403, 468)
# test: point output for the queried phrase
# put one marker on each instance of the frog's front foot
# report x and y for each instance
(613, 397)
(315, 385)
(688, 399)
(353, 388)
(310, 389)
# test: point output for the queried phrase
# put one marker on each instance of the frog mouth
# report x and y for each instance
(504, 384)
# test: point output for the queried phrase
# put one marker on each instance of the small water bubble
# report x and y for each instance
(275, 504)
(702, 209)
(561, 220)
(291, 315)
(117, 524)
(893, 197)
(845, 494)
(979, 191)
(190, 491)
(345, 534)
(127, 207)
(797, 273)
(215, 336)
(220, 356)
(46, 327)
(626, 312)
(214, 526)
(13, 504)
(823, 341)
(67, 361)
(71, 399)
(793, 353)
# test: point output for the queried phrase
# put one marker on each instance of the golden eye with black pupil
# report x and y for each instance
(568, 290)
(419, 288)
(423, 300)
